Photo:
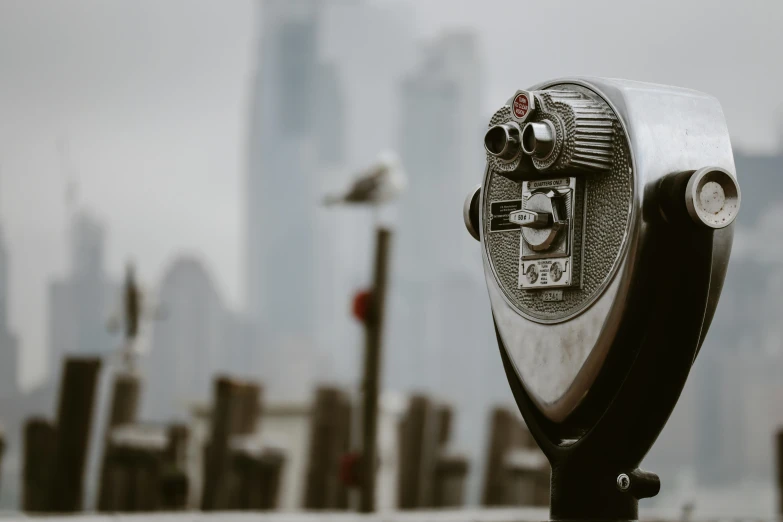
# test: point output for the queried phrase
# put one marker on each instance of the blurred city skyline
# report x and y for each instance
(196, 139)
(152, 101)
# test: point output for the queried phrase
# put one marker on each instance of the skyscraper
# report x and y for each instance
(295, 134)
(80, 303)
(188, 347)
(9, 355)
(440, 333)
(440, 146)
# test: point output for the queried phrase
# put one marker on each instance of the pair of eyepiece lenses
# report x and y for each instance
(504, 141)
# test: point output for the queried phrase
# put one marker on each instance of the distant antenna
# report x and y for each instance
(71, 183)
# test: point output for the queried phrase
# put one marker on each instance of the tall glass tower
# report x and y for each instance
(295, 133)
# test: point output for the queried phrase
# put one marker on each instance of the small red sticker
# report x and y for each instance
(521, 105)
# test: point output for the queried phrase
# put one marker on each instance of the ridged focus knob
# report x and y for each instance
(470, 212)
(712, 197)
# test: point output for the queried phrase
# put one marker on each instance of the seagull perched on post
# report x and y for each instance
(381, 183)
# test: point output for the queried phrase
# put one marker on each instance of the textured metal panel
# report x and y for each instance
(607, 198)
(665, 130)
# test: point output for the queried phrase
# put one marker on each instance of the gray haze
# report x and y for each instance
(152, 96)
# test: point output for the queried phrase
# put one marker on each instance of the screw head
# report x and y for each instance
(623, 482)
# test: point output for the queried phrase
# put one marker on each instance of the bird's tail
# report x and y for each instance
(333, 199)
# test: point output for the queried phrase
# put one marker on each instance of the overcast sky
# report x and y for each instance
(151, 94)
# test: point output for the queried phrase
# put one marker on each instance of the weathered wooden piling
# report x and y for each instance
(249, 408)
(428, 476)
(135, 467)
(268, 479)
(175, 483)
(330, 440)
(779, 461)
(174, 489)
(235, 413)
(516, 470)
(122, 411)
(448, 490)
(257, 479)
(445, 419)
(503, 425)
(125, 400)
(138, 473)
(2, 452)
(144, 469)
(40, 446)
(526, 473)
(74, 422)
(177, 446)
(216, 451)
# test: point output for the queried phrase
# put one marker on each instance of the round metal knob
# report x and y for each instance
(539, 237)
(712, 197)
(470, 212)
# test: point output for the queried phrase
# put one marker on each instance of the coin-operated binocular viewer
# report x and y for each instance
(605, 220)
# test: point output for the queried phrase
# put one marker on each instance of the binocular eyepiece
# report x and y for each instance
(506, 141)
(605, 217)
(503, 141)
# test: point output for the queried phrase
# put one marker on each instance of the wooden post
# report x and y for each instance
(123, 410)
(2, 452)
(134, 483)
(779, 460)
(449, 481)
(125, 400)
(115, 483)
(420, 433)
(135, 468)
(229, 403)
(174, 482)
(445, 418)
(238, 488)
(501, 440)
(258, 479)
(176, 450)
(345, 437)
(217, 450)
(270, 471)
(526, 478)
(74, 421)
(249, 408)
(517, 472)
(40, 445)
(372, 370)
(145, 477)
(174, 490)
(329, 441)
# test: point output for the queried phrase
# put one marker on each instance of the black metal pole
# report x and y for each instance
(779, 459)
(372, 370)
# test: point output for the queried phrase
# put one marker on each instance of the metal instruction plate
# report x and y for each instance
(500, 211)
